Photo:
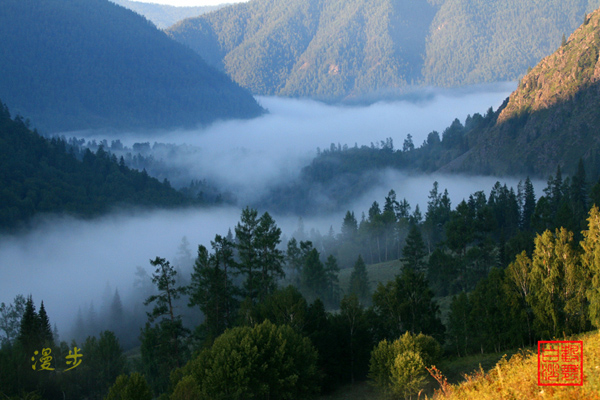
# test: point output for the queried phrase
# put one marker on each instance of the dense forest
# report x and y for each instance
(76, 64)
(343, 49)
(519, 270)
(549, 120)
(40, 175)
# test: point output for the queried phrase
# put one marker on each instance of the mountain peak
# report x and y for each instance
(561, 75)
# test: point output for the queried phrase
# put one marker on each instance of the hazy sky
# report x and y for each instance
(191, 3)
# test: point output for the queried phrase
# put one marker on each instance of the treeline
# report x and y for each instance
(280, 342)
(154, 160)
(39, 175)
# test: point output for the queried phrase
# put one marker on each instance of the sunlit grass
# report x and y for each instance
(516, 378)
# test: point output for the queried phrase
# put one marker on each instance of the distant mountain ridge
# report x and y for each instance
(163, 15)
(332, 49)
(551, 119)
(82, 64)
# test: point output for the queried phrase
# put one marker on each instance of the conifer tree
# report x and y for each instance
(211, 287)
(29, 333)
(44, 326)
(359, 281)
(414, 250)
(162, 348)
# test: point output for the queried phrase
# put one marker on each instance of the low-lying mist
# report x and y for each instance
(248, 157)
(68, 263)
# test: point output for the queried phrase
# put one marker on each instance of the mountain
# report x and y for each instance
(80, 64)
(333, 49)
(319, 48)
(39, 175)
(163, 15)
(552, 118)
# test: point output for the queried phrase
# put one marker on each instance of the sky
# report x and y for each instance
(192, 3)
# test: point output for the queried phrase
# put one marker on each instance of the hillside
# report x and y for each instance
(39, 175)
(551, 118)
(338, 48)
(163, 15)
(517, 378)
(75, 64)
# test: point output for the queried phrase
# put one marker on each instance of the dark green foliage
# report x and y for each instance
(95, 64)
(406, 305)
(359, 281)
(354, 338)
(261, 262)
(132, 387)
(263, 362)
(212, 289)
(102, 362)
(163, 346)
(41, 176)
(284, 306)
(414, 250)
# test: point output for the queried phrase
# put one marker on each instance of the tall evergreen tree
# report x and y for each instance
(246, 238)
(528, 205)
(359, 281)
(162, 344)
(212, 289)
(414, 250)
(314, 277)
(29, 333)
(44, 326)
(270, 258)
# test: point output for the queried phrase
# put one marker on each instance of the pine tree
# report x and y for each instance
(314, 278)
(211, 287)
(245, 235)
(44, 326)
(34, 333)
(116, 314)
(331, 274)
(414, 250)
(270, 258)
(359, 281)
(528, 205)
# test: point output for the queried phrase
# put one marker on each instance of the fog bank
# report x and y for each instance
(247, 157)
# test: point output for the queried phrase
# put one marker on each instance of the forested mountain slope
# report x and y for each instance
(313, 47)
(39, 175)
(164, 15)
(77, 64)
(339, 48)
(552, 118)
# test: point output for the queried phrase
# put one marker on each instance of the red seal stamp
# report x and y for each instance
(560, 363)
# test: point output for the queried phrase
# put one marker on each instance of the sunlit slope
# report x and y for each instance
(336, 49)
(517, 378)
(319, 48)
(77, 64)
(552, 118)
